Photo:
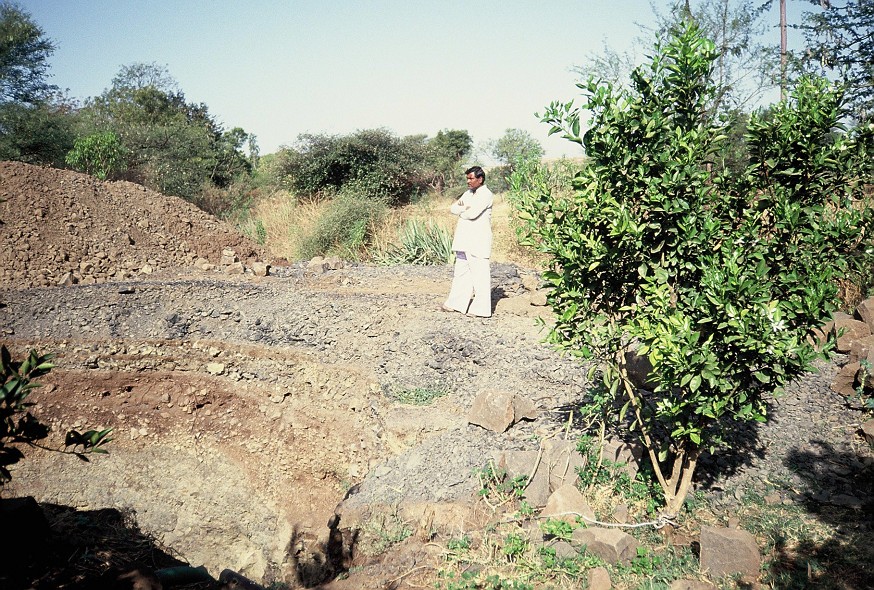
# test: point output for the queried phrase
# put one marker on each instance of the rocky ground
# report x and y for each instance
(245, 409)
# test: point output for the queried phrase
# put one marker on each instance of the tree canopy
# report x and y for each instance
(24, 54)
(716, 278)
(840, 38)
(515, 147)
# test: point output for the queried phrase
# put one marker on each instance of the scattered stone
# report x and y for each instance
(860, 348)
(215, 368)
(67, 279)
(521, 463)
(318, 265)
(728, 552)
(524, 409)
(611, 545)
(493, 410)
(865, 312)
(628, 455)
(260, 269)
(566, 503)
(844, 382)
(620, 513)
(599, 579)
(563, 461)
(847, 330)
(563, 549)
(334, 263)
(868, 432)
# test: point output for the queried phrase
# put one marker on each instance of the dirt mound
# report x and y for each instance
(58, 227)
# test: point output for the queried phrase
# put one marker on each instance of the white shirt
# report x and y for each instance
(473, 232)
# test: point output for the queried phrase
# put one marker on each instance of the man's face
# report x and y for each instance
(473, 182)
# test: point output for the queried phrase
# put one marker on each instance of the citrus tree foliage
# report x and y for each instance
(172, 146)
(18, 427)
(717, 278)
(370, 163)
(100, 155)
(840, 36)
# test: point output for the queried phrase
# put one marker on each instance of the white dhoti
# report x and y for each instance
(471, 280)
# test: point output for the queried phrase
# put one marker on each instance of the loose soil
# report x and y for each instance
(248, 411)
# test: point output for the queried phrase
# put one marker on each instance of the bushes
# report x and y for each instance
(345, 226)
(99, 154)
(372, 163)
(715, 277)
(19, 427)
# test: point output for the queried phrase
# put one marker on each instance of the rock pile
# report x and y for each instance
(855, 338)
(59, 227)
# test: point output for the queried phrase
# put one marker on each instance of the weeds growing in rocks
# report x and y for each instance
(417, 396)
(382, 531)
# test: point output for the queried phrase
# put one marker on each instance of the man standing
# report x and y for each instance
(473, 247)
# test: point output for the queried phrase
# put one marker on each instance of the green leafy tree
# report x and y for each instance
(40, 133)
(371, 163)
(446, 153)
(18, 427)
(717, 279)
(35, 122)
(100, 155)
(515, 147)
(24, 54)
(840, 38)
(172, 146)
(745, 66)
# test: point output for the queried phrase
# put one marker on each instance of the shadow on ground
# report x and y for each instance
(839, 493)
(53, 546)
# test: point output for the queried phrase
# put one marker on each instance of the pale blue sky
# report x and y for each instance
(282, 68)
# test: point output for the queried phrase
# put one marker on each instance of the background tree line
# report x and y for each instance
(143, 129)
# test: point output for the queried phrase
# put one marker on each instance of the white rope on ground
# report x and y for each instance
(660, 522)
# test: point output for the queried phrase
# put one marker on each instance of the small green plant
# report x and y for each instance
(515, 546)
(598, 471)
(497, 486)
(459, 545)
(345, 227)
(557, 528)
(865, 371)
(471, 580)
(101, 155)
(19, 427)
(382, 531)
(417, 396)
(420, 243)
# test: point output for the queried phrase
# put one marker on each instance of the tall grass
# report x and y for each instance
(290, 228)
(420, 242)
